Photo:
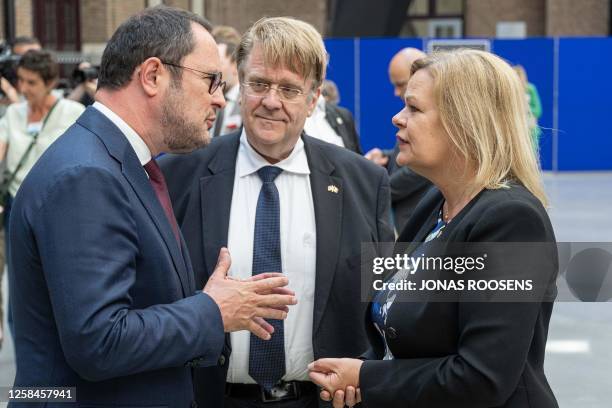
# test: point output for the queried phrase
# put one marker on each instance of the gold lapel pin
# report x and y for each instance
(332, 189)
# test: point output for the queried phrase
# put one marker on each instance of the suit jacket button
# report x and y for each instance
(222, 360)
(391, 333)
(194, 404)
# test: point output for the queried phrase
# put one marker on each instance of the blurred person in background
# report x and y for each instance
(228, 118)
(29, 127)
(332, 123)
(329, 90)
(464, 128)
(8, 75)
(85, 82)
(407, 187)
(535, 106)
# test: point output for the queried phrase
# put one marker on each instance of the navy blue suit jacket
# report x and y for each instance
(103, 295)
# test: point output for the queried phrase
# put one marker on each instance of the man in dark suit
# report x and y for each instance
(407, 187)
(333, 124)
(341, 120)
(104, 296)
(290, 202)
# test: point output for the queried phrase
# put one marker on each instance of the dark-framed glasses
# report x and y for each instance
(215, 77)
(261, 89)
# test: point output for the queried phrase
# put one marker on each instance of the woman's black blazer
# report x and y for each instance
(466, 354)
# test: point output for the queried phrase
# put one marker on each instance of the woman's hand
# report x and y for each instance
(338, 377)
(350, 397)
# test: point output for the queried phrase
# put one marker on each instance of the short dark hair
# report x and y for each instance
(160, 31)
(24, 40)
(41, 62)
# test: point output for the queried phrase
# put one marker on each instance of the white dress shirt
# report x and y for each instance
(317, 125)
(298, 253)
(140, 147)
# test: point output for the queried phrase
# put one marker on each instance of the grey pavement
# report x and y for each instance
(579, 350)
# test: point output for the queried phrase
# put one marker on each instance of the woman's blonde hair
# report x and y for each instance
(286, 42)
(482, 108)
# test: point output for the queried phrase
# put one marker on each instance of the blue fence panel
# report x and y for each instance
(536, 55)
(378, 104)
(341, 69)
(583, 140)
(585, 104)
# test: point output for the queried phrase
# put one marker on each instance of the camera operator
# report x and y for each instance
(9, 56)
(85, 79)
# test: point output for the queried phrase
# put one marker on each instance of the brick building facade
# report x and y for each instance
(97, 19)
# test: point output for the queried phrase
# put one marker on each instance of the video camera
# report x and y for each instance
(86, 74)
(8, 65)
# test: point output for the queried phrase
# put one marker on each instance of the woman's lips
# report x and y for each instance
(401, 141)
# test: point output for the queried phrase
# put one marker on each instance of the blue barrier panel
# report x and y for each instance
(584, 86)
(378, 104)
(585, 104)
(341, 69)
(536, 55)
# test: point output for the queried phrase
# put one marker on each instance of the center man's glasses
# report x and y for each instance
(215, 77)
(262, 89)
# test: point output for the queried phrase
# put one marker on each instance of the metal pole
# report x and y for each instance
(9, 20)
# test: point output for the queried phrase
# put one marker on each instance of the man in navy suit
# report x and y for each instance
(272, 194)
(104, 294)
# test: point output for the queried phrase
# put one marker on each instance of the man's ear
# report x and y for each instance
(151, 75)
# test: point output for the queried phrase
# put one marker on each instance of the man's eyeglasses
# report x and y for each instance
(261, 89)
(215, 77)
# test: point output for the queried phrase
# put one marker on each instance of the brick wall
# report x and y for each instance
(118, 11)
(184, 4)
(577, 18)
(242, 13)
(93, 21)
(23, 18)
(481, 16)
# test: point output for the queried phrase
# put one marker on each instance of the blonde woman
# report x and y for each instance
(464, 128)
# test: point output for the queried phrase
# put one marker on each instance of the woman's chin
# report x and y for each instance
(402, 161)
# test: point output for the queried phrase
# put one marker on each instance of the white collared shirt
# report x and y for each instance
(298, 253)
(140, 147)
(317, 125)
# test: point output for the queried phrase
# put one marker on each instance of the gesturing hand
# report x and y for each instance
(244, 304)
(377, 156)
(338, 377)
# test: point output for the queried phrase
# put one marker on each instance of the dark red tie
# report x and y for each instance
(161, 190)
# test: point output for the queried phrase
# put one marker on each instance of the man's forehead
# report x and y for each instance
(205, 52)
(275, 73)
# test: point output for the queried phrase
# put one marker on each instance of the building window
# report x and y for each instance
(434, 18)
(57, 25)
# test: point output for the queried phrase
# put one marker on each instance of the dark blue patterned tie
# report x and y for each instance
(267, 357)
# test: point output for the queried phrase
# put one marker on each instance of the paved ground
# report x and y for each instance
(579, 351)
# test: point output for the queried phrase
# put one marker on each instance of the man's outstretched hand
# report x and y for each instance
(245, 304)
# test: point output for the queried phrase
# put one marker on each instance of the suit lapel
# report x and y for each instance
(327, 195)
(122, 151)
(335, 121)
(216, 192)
